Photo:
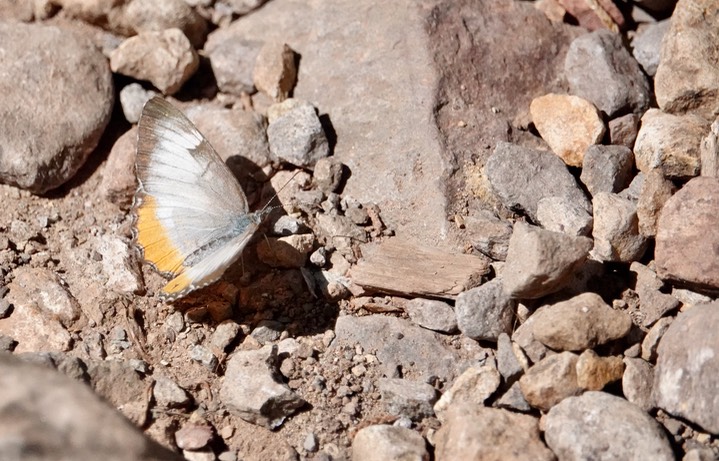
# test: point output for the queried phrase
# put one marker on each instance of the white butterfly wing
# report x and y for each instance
(192, 215)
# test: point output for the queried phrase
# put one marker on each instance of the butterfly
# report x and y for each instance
(192, 217)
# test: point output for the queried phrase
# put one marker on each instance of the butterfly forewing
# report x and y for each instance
(188, 202)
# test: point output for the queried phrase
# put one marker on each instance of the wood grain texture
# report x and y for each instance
(409, 269)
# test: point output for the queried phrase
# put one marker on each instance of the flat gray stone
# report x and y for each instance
(232, 60)
(432, 314)
(560, 214)
(398, 342)
(411, 399)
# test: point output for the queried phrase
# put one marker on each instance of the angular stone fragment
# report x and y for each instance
(637, 383)
(595, 372)
(685, 381)
(623, 130)
(484, 312)
(656, 190)
(653, 303)
(297, 137)
(489, 235)
(616, 229)
(383, 441)
(551, 380)
(559, 214)
(233, 60)
(166, 59)
(710, 152)
(687, 78)
(275, 70)
(252, 390)
(647, 45)
(407, 398)
(540, 262)
(607, 168)
(671, 143)
(471, 389)
(432, 314)
(569, 124)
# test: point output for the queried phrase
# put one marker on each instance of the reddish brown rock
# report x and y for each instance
(687, 242)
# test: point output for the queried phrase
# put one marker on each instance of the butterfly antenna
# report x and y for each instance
(267, 208)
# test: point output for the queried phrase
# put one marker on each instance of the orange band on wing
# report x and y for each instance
(176, 285)
(152, 237)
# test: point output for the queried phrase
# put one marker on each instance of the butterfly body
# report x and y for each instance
(193, 219)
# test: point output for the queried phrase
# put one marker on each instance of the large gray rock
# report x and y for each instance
(341, 66)
(601, 70)
(597, 425)
(521, 177)
(685, 380)
(53, 107)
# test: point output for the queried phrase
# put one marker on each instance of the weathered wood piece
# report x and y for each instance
(411, 269)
